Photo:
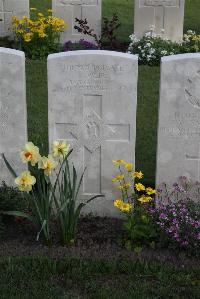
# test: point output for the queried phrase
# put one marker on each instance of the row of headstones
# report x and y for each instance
(92, 103)
(166, 16)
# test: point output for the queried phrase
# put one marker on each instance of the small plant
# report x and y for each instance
(50, 197)
(134, 203)
(79, 45)
(177, 215)
(150, 48)
(108, 35)
(38, 36)
(191, 42)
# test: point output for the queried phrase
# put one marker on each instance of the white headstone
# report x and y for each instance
(13, 122)
(68, 10)
(166, 16)
(178, 152)
(92, 104)
(8, 9)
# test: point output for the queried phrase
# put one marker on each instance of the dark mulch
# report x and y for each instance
(96, 238)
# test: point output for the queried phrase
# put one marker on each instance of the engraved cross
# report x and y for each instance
(90, 134)
(78, 6)
(195, 159)
(160, 4)
(4, 17)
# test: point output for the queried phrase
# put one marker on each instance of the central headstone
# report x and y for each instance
(68, 10)
(178, 151)
(92, 104)
(166, 16)
(8, 9)
(13, 123)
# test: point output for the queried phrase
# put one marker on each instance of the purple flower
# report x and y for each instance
(163, 216)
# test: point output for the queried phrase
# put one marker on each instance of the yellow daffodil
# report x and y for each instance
(50, 10)
(118, 178)
(144, 199)
(129, 167)
(33, 9)
(119, 162)
(30, 153)
(60, 148)
(118, 203)
(138, 175)
(47, 164)
(25, 181)
(150, 191)
(139, 187)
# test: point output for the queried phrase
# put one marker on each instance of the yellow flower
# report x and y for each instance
(30, 153)
(25, 19)
(60, 148)
(25, 181)
(28, 37)
(138, 175)
(119, 162)
(125, 207)
(118, 178)
(150, 191)
(139, 187)
(42, 34)
(129, 167)
(118, 203)
(144, 198)
(47, 164)
(125, 186)
(50, 10)
(33, 8)
(20, 31)
(40, 15)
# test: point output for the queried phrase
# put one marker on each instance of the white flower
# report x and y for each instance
(152, 51)
(163, 52)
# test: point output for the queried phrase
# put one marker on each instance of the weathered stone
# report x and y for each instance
(8, 9)
(13, 122)
(92, 104)
(166, 16)
(178, 152)
(68, 10)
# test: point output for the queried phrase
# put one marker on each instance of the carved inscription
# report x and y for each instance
(185, 124)
(92, 77)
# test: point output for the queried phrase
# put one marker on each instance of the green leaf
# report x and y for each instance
(10, 168)
(94, 197)
(42, 227)
(19, 214)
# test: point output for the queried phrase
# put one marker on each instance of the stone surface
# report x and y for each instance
(92, 104)
(162, 14)
(178, 152)
(71, 9)
(8, 9)
(13, 122)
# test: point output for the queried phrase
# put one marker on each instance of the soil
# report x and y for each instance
(96, 238)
